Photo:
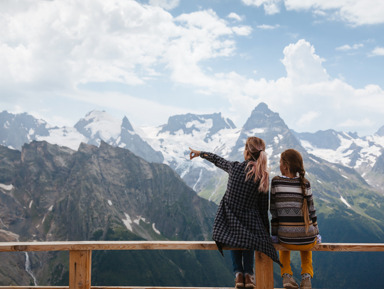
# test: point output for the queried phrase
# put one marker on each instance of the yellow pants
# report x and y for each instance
(306, 258)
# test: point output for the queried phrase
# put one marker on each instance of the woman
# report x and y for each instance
(294, 221)
(242, 217)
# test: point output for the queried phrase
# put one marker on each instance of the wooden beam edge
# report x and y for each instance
(111, 287)
(165, 245)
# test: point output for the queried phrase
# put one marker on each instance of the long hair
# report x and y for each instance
(257, 165)
(293, 159)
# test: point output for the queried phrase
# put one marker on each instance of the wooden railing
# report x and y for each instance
(80, 256)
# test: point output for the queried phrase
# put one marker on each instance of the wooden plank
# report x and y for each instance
(152, 287)
(112, 287)
(80, 263)
(34, 287)
(155, 287)
(263, 271)
(165, 245)
(107, 245)
(344, 247)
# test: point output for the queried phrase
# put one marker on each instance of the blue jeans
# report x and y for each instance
(242, 261)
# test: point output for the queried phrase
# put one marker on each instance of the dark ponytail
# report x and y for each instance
(304, 207)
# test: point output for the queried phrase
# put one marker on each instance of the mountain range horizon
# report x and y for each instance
(379, 130)
(167, 143)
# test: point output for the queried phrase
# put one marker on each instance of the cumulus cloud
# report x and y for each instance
(235, 16)
(61, 44)
(355, 12)
(242, 30)
(378, 51)
(302, 64)
(270, 6)
(166, 4)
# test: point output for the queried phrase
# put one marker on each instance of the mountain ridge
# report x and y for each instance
(52, 193)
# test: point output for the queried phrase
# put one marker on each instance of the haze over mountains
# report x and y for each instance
(345, 171)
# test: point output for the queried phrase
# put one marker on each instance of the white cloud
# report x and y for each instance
(378, 51)
(302, 64)
(348, 47)
(235, 16)
(355, 12)
(166, 4)
(270, 6)
(242, 30)
(268, 27)
(58, 45)
(203, 35)
(63, 43)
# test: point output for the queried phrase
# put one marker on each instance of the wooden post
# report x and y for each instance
(80, 263)
(263, 271)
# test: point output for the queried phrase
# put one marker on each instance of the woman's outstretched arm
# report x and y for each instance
(213, 158)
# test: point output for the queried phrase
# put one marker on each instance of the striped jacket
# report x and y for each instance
(287, 217)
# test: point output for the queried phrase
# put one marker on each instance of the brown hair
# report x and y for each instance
(257, 166)
(293, 159)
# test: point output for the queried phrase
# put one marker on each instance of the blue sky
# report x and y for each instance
(318, 63)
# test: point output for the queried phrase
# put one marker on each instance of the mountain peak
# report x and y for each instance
(95, 113)
(126, 124)
(99, 125)
(187, 123)
(262, 107)
(380, 132)
(262, 117)
(17, 129)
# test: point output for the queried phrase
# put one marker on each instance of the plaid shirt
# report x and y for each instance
(242, 217)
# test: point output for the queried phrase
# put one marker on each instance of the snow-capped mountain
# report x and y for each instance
(209, 132)
(267, 125)
(99, 125)
(96, 126)
(169, 143)
(18, 129)
(364, 154)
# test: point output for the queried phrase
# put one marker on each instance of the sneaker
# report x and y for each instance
(306, 283)
(249, 281)
(239, 281)
(289, 282)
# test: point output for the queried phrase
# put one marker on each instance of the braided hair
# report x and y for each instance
(294, 161)
(257, 165)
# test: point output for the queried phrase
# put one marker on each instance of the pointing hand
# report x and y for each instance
(193, 153)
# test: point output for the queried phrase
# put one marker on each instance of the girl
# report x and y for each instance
(242, 217)
(294, 222)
